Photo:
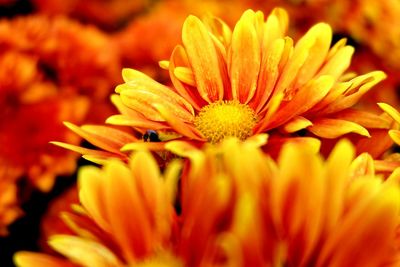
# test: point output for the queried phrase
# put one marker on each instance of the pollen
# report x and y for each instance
(225, 119)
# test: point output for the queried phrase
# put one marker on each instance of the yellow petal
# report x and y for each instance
(132, 230)
(31, 259)
(332, 128)
(395, 135)
(391, 111)
(84, 252)
(177, 124)
(296, 124)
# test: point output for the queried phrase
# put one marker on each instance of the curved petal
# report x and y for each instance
(203, 59)
(32, 259)
(85, 252)
(333, 128)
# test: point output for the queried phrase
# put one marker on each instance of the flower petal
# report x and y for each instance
(178, 125)
(203, 59)
(85, 252)
(244, 63)
(296, 124)
(333, 128)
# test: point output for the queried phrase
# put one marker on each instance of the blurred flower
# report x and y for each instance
(31, 116)
(298, 211)
(9, 210)
(52, 70)
(108, 15)
(75, 59)
(249, 81)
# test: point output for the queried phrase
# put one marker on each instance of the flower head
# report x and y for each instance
(299, 211)
(248, 81)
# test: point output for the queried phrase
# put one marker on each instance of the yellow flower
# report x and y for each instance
(233, 206)
(248, 81)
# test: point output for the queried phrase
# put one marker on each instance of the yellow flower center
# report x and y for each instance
(225, 119)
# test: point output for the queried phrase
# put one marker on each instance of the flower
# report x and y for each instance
(299, 211)
(31, 116)
(53, 70)
(249, 81)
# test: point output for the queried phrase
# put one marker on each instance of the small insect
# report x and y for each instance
(151, 136)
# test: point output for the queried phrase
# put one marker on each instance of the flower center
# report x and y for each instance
(225, 119)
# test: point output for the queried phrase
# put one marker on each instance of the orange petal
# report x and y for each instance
(178, 125)
(316, 42)
(332, 128)
(103, 137)
(360, 85)
(307, 96)
(32, 259)
(269, 73)
(244, 64)
(364, 118)
(190, 93)
(91, 195)
(86, 151)
(132, 230)
(136, 122)
(203, 59)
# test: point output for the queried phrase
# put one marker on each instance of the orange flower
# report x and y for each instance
(299, 211)
(31, 116)
(249, 81)
(51, 68)
(75, 59)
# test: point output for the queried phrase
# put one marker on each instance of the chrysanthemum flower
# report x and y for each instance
(76, 59)
(31, 116)
(248, 81)
(299, 211)
(52, 70)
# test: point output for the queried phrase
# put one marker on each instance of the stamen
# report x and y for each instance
(226, 119)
